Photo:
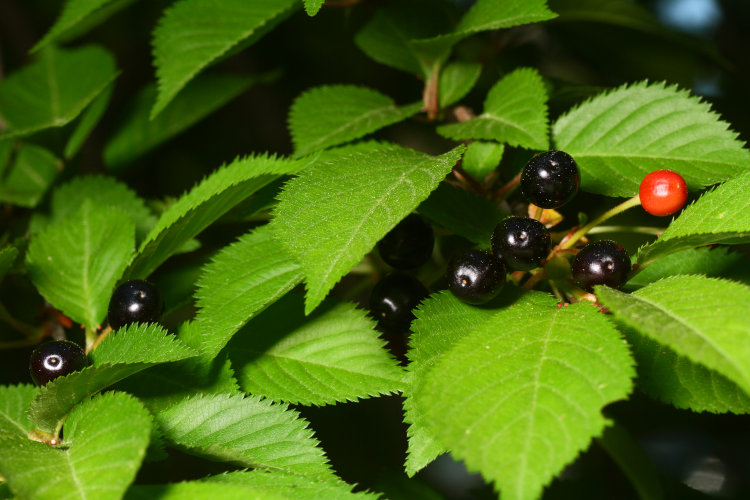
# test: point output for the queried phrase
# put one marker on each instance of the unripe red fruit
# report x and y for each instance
(663, 192)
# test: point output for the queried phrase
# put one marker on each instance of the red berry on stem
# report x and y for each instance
(663, 192)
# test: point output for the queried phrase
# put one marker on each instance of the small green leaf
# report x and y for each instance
(619, 137)
(482, 158)
(233, 22)
(138, 135)
(247, 431)
(88, 120)
(719, 216)
(75, 263)
(14, 405)
(709, 261)
(456, 80)
(313, 6)
(681, 312)
(335, 114)
(334, 355)
(8, 256)
(105, 442)
(30, 175)
(77, 17)
(515, 112)
(532, 399)
(378, 190)
(290, 486)
(53, 91)
(201, 206)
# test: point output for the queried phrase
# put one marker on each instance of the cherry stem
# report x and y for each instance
(556, 291)
(430, 93)
(629, 203)
(97, 339)
(628, 229)
(465, 177)
(536, 278)
(508, 188)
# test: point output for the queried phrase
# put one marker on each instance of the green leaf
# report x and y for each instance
(378, 190)
(53, 91)
(8, 256)
(515, 112)
(619, 137)
(246, 431)
(709, 261)
(30, 175)
(482, 158)
(88, 120)
(335, 114)
(198, 490)
(313, 6)
(630, 457)
(202, 205)
(138, 135)
(719, 216)
(463, 212)
(334, 355)
(14, 404)
(233, 22)
(105, 442)
(456, 80)
(122, 354)
(75, 263)
(293, 486)
(681, 312)
(531, 402)
(78, 16)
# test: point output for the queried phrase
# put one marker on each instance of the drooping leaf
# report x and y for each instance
(105, 442)
(294, 486)
(138, 134)
(88, 120)
(14, 404)
(313, 6)
(681, 312)
(8, 256)
(332, 356)
(202, 205)
(331, 115)
(715, 262)
(243, 430)
(332, 215)
(30, 175)
(515, 112)
(482, 158)
(719, 216)
(53, 91)
(531, 402)
(75, 263)
(619, 137)
(122, 354)
(233, 23)
(456, 80)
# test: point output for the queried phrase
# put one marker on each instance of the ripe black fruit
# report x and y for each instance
(409, 244)
(135, 301)
(55, 359)
(476, 276)
(392, 300)
(602, 262)
(550, 179)
(521, 242)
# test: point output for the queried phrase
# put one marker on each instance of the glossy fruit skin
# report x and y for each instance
(602, 262)
(521, 242)
(550, 179)
(663, 192)
(476, 276)
(409, 244)
(55, 359)
(135, 301)
(392, 300)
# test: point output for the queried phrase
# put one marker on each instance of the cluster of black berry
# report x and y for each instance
(135, 301)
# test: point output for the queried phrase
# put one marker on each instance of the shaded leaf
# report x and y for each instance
(714, 262)
(88, 120)
(30, 175)
(482, 158)
(8, 256)
(456, 80)
(632, 460)
(14, 404)
(78, 16)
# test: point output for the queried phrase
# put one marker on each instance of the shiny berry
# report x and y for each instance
(521, 242)
(392, 300)
(663, 192)
(409, 244)
(55, 359)
(135, 301)
(550, 179)
(476, 276)
(602, 262)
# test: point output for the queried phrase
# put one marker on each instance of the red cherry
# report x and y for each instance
(663, 192)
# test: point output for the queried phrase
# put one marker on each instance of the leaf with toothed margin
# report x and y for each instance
(14, 403)
(313, 6)
(294, 486)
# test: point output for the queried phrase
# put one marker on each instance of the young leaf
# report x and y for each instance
(313, 6)
(334, 355)
(719, 216)
(714, 262)
(124, 353)
(138, 135)
(515, 112)
(33, 171)
(53, 91)
(482, 158)
(8, 256)
(233, 22)
(75, 264)
(330, 115)
(619, 137)
(88, 120)
(294, 486)
(14, 404)
(456, 80)
(247, 431)
(105, 442)
(202, 205)
(540, 376)
(378, 188)
(681, 312)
